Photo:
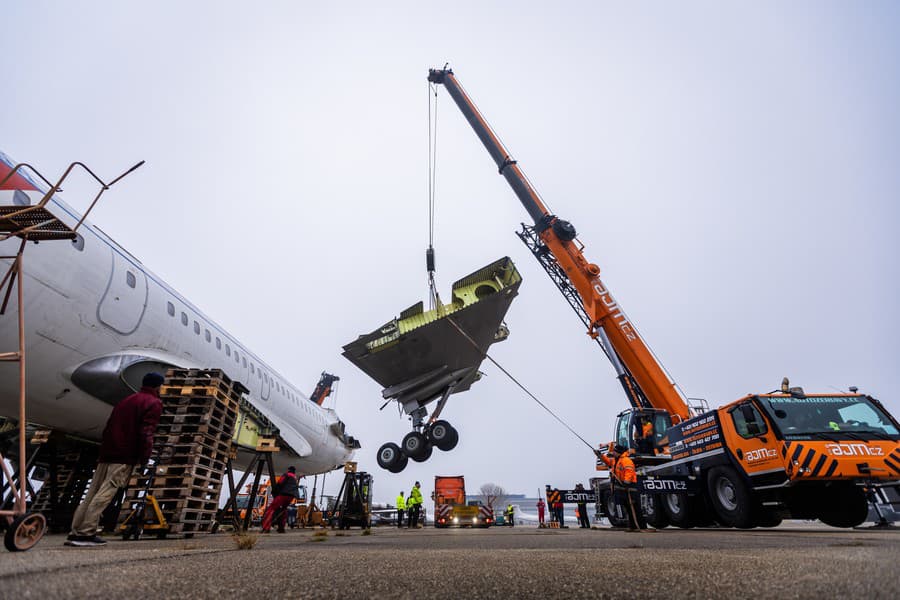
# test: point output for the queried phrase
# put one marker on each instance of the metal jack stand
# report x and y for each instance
(260, 460)
(37, 224)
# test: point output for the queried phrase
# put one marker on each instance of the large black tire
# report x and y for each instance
(653, 511)
(426, 456)
(415, 445)
(25, 532)
(615, 512)
(400, 465)
(452, 441)
(389, 456)
(681, 509)
(843, 506)
(442, 434)
(731, 498)
(768, 517)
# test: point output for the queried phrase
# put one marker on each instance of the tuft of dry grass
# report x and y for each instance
(320, 534)
(367, 532)
(245, 540)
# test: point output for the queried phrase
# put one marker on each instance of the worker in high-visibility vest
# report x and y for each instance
(401, 508)
(414, 504)
(624, 484)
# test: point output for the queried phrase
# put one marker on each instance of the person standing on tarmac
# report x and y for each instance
(624, 484)
(127, 441)
(287, 490)
(401, 508)
(540, 506)
(414, 505)
(583, 520)
(510, 515)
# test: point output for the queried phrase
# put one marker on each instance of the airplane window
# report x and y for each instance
(266, 377)
(196, 327)
(130, 279)
(252, 370)
(236, 358)
(227, 350)
(207, 335)
(170, 308)
(259, 374)
(184, 319)
(78, 242)
(218, 344)
(245, 362)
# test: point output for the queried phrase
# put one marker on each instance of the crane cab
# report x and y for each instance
(643, 432)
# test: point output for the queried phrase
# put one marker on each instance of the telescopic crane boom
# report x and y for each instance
(553, 242)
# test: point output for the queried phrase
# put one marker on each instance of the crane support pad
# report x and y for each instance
(420, 354)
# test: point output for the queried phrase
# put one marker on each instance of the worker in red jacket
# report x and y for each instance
(284, 493)
(127, 441)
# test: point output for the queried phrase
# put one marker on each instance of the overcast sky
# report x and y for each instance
(732, 168)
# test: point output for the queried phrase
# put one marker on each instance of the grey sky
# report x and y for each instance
(732, 168)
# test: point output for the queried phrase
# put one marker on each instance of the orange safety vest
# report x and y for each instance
(622, 468)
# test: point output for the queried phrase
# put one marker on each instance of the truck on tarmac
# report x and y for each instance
(751, 462)
(451, 508)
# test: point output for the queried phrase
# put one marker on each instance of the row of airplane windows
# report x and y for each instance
(241, 360)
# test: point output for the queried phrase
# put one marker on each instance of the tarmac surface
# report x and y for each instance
(791, 561)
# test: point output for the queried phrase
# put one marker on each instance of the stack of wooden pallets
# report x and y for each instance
(193, 443)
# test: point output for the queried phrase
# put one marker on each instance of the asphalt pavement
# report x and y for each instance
(799, 561)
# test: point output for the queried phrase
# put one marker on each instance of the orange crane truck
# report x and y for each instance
(749, 463)
(451, 508)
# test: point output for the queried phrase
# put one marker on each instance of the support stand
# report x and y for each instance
(261, 459)
(29, 223)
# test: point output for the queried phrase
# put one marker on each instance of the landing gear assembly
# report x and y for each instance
(418, 446)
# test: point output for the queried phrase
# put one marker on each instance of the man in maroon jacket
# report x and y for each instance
(127, 441)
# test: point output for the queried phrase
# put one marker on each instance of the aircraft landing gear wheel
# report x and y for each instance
(25, 532)
(391, 458)
(443, 435)
(427, 454)
(415, 446)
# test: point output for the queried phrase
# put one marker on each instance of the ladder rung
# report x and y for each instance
(12, 356)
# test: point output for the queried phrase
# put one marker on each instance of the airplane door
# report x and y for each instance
(265, 385)
(123, 304)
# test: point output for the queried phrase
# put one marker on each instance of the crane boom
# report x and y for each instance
(553, 242)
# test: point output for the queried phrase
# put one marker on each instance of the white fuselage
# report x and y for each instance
(89, 299)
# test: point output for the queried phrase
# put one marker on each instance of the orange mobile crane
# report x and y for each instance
(746, 464)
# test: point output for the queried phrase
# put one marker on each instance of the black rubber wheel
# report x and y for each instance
(731, 497)
(843, 506)
(615, 512)
(652, 509)
(441, 433)
(25, 532)
(389, 455)
(426, 456)
(679, 508)
(400, 465)
(161, 535)
(768, 518)
(452, 440)
(415, 445)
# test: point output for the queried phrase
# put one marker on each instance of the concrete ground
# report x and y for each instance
(792, 561)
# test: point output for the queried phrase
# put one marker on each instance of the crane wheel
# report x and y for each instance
(680, 509)
(653, 512)
(731, 497)
(843, 506)
(615, 512)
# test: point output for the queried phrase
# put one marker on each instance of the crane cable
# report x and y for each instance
(433, 298)
(518, 383)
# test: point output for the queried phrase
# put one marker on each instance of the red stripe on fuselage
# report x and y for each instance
(16, 182)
